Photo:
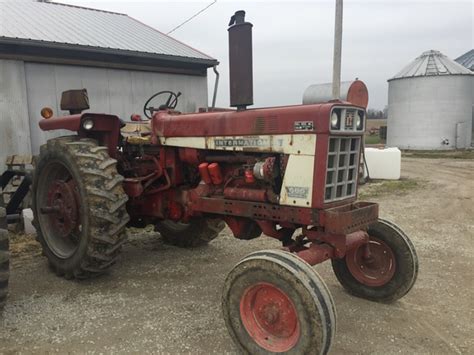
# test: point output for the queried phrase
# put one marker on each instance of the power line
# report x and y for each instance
(195, 15)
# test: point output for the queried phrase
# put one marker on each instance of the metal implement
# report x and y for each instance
(13, 206)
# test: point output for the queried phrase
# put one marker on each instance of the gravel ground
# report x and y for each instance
(161, 299)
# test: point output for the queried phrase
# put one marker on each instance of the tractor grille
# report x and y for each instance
(343, 162)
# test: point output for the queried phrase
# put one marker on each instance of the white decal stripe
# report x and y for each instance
(300, 144)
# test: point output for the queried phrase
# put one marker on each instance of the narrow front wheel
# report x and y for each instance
(386, 271)
(274, 302)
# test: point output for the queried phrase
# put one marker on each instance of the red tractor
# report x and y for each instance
(289, 173)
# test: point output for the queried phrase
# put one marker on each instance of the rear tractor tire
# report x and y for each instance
(274, 302)
(388, 273)
(79, 207)
(4, 259)
(198, 232)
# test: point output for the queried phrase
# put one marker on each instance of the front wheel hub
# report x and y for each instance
(375, 269)
(270, 317)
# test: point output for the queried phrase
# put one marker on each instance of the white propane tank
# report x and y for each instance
(383, 163)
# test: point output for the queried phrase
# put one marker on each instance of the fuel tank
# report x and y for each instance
(354, 92)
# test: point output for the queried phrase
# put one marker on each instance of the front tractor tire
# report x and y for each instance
(4, 259)
(79, 207)
(274, 302)
(388, 273)
(198, 232)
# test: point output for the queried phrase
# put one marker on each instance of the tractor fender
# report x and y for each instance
(105, 128)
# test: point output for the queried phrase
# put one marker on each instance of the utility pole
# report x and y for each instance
(336, 69)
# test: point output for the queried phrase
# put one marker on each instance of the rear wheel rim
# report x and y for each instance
(58, 203)
(375, 270)
(270, 317)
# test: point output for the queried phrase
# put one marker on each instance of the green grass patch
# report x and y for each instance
(375, 139)
(388, 187)
(439, 154)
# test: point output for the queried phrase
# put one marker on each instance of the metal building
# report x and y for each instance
(467, 60)
(46, 48)
(430, 104)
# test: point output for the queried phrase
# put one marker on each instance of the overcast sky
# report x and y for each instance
(293, 40)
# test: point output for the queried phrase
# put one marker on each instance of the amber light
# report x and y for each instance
(46, 112)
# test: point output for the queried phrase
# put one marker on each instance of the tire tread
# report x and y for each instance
(305, 275)
(4, 266)
(106, 200)
(401, 283)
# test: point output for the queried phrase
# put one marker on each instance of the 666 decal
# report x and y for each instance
(297, 191)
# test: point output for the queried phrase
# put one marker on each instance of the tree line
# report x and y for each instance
(374, 114)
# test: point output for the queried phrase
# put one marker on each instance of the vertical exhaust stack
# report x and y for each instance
(240, 61)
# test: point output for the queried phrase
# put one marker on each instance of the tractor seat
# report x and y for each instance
(136, 132)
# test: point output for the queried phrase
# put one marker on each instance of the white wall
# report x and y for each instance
(14, 126)
(25, 88)
(115, 91)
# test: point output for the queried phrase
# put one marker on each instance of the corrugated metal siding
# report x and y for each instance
(424, 111)
(115, 91)
(14, 127)
(72, 25)
(467, 60)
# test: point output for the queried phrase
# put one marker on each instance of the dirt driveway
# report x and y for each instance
(162, 299)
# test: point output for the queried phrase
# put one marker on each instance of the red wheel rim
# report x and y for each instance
(62, 206)
(270, 317)
(58, 206)
(375, 269)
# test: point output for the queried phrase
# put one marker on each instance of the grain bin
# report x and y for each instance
(430, 104)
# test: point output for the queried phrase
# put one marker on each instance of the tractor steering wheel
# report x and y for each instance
(169, 104)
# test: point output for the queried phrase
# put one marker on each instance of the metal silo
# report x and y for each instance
(430, 104)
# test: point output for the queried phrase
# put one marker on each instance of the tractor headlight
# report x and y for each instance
(359, 120)
(334, 120)
(88, 124)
